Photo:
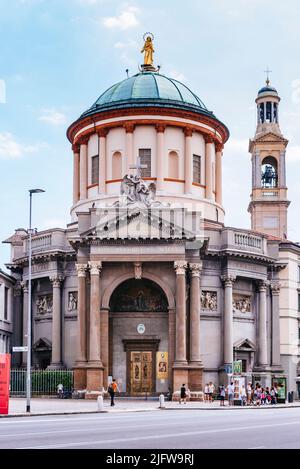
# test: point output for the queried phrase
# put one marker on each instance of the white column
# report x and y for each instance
(129, 129)
(56, 322)
(188, 160)
(83, 169)
(195, 308)
(75, 149)
(209, 148)
(94, 336)
(160, 156)
(180, 352)
(219, 188)
(102, 160)
(82, 316)
(262, 327)
(228, 319)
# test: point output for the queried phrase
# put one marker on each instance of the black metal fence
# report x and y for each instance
(43, 382)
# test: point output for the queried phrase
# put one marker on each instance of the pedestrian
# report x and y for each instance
(258, 395)
(206, 393)
(263, 396)
(112, 389)
(268, 395)
(273, 395)
(249, 394)
(182, 394)
(211, 390)
(230, 392)
(60, 391)
(222, 395)
(243, 395)
(188, 394)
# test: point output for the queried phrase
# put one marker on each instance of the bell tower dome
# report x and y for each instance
(268, 206)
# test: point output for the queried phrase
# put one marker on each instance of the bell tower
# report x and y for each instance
(269, 205)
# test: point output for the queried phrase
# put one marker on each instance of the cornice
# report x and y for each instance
(131, 112)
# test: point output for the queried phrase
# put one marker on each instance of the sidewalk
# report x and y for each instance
(53, 406)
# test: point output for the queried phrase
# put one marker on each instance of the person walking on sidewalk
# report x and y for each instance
(211, 390)
(222, 396)
(230, 391)
(182, 394)
(112, 389)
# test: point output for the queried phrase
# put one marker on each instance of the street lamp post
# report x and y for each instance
(28, 374)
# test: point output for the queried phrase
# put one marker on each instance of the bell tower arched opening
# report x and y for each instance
(269, 173)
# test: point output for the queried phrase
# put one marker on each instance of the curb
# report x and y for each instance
(117, 411)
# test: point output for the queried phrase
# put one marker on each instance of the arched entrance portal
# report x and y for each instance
(138, 335)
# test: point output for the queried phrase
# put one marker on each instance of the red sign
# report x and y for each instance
(4, 382)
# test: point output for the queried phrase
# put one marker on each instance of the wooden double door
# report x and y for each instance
(141, 366)
(141, 372)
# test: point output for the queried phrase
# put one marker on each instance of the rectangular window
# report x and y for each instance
(145, 159)
(197, 169)
(299, 333)
(298, 273)
(299, 302)
(244, 366)
(95, 169)
(5, 303)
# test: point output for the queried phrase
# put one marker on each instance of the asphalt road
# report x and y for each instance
(238, 428)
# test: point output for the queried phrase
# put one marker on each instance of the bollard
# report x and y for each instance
(162, 401)
(100, 403)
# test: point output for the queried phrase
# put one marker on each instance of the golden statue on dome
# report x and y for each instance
(148, 51)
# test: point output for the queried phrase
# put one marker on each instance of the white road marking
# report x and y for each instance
(160, 436)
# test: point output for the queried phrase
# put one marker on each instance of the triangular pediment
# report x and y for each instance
(138, 224)
(269, 137)
(42, 345)
(244, 344)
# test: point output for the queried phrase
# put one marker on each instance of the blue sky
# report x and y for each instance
(58, 56)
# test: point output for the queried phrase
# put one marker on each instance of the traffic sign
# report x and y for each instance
(20, 349)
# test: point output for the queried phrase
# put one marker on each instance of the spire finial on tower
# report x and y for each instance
(267, 72)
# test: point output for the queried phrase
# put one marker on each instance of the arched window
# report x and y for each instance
(269, 173)
(117, 165)
(173, 165)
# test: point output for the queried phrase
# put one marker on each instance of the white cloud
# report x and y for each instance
(293, 154)
(11, 149)
(176, 75)
(53, 117)
(126, 19)
(2, 92)
(296, 91)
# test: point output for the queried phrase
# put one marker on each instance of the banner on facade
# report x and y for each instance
(237, 367)
(4, 382)
(162, 365)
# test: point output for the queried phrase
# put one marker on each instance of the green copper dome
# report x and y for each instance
(148, 89)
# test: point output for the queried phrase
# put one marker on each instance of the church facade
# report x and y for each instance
(146, 284)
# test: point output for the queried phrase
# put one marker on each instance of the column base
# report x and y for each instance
(195, 376)
(79, 378)
(94, 381)
(56, 366)
(180, 376)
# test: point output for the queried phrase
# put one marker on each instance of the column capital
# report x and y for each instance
(137, 270)
(208, 139)
(262, 285)
(180, 267)
(219, 147)
(129, 127)
(17, 289)
(228, 280)
(81, 269)
(75, 148)
(56, 280)
(95, 267)
(160, 128)
(188, 132)
(196, 269)
(24, 286)
(83, 140)
(275, 288)
(102, 132)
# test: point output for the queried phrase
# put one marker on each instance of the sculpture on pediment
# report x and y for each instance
(135, 190)
(72, 301)
(242, 303)
(44, 304)
(209, 300)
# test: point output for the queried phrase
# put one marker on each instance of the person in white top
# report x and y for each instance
(211, 390)
(230, 391)
(206, 393)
